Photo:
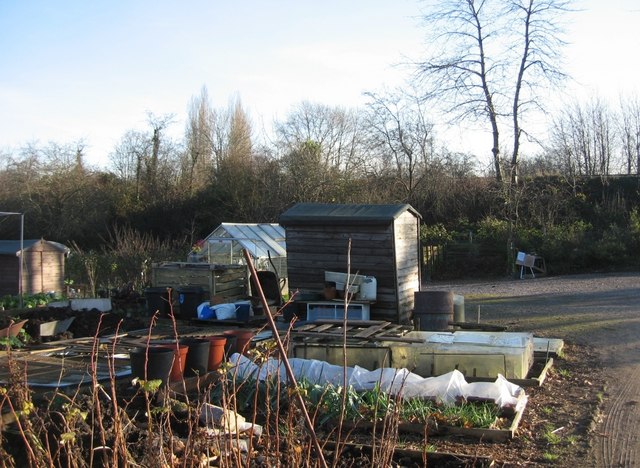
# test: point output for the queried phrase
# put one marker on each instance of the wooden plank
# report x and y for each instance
(397, 329)
(530, 381)
(367, 332)
(354, 323)
(340, 336)
(323, 327)
(422, 456)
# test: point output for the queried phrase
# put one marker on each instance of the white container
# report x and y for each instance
(368, 289)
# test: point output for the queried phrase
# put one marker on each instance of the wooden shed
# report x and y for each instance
(42, 270)
(385, 243)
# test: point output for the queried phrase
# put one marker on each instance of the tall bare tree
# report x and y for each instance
(401, 137)
(629, 124)
(488, 60)
(197, 166)
(584, 139)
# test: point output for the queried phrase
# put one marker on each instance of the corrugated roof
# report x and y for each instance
(12, 247)
(314, 213)
(258, 239)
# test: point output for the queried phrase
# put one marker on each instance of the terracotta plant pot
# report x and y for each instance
(329, 291)
(243, 339)
(216, 351)
(12, 330)
(179, 360)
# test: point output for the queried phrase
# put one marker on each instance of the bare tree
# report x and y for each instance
(401, 137)
(197, 166)
(158, 125)
(148, 159)
(488, 60)
(240, 135)
(127, 157)
(540, 44)
(320, 152)
(235, 174)
(583, 139)
(336, 130)
(629, 124)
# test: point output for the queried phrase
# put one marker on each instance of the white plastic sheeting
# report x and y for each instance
(447, 388)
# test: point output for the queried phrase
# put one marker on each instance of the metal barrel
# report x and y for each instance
(433, 310)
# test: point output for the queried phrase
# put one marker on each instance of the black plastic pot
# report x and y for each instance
(197, 356)
(157, 301)
(158, 363)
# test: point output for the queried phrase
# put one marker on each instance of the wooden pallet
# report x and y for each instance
(357, 332)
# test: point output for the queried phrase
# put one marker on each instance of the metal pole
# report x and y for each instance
(20, 300)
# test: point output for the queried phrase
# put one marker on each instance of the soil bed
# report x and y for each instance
(585, 413)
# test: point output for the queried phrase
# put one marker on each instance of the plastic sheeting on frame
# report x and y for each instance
(447, 388)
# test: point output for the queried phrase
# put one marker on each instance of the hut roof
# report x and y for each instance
(12, 247)
(317, 213)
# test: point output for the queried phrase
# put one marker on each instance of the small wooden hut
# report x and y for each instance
(42, 270)
(385, 243)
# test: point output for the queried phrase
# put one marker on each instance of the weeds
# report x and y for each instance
(547, 410)
(550, 436)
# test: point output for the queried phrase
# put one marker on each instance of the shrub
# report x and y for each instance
(435, 234)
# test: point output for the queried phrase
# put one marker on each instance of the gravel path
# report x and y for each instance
(597, 310)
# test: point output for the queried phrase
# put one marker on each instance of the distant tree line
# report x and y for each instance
(575, 202)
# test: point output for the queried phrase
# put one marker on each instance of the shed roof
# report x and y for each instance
(330, 213)
(12, 247)
(258, 239)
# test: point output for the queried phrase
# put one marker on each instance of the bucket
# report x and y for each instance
(243, 311)
(158, 363)
(197, 357)
(368, 289)
(433, 310)
(216, 351)
(458, 308)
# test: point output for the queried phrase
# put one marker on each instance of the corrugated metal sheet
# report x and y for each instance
(315, 213)
(258, 239)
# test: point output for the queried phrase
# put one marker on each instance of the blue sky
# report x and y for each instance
(92, 70)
